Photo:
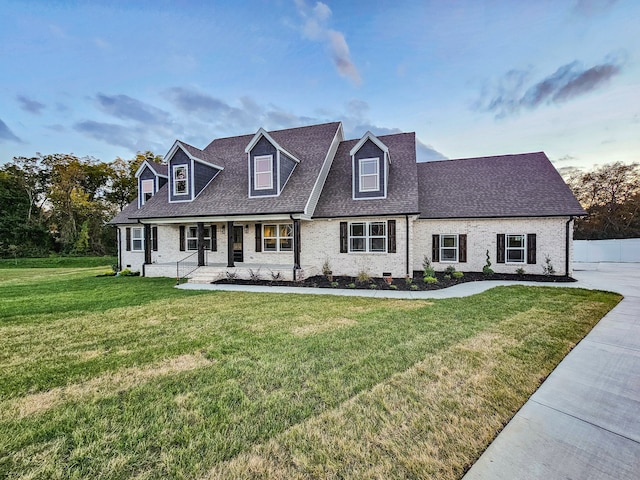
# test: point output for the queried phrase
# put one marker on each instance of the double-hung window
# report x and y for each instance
(137, 239)
(263, 172)
(147, 190)
(369, 174)
(515, 249)
(180, 180)
(368, 237)
(192, 238)
(448, 248)
(277, 237)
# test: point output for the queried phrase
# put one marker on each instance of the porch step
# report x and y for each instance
(209, 274)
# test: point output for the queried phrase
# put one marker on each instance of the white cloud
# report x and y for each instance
(315, 28)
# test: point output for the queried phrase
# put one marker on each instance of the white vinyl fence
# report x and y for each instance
(619, 251)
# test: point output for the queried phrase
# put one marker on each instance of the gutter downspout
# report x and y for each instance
(567, 246)
(296, 245)
(406, 219)
(119, 240)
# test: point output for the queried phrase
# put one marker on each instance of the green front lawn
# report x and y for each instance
(120, 377)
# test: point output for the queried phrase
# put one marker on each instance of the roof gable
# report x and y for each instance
(263, 133)
(158, 169)
(375, 140)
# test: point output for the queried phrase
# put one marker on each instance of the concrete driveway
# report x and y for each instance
(584, 420)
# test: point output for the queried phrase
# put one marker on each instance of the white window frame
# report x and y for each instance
(137, 235)
(362, 176)
(368, 237)
(192, 238)
(175, 181)
(256, 159)
(455, 248)
(144, 182)
(507, 248)
(279, 237)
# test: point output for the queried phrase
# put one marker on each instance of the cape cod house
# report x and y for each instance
(289, 202)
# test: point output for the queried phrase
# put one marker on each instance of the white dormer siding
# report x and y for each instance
(370, 168)
(269, 166)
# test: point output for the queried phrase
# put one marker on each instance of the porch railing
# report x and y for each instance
(188, 265)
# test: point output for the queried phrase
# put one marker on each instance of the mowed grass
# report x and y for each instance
(130, 378)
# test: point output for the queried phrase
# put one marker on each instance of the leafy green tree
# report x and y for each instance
(123, 186)
(611, 196)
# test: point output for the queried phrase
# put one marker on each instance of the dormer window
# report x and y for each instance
(263, 172)
(147, 190)
(180, 180)
(369, 174)
(370, 168)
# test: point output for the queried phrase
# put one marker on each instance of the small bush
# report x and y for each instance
(457, 275)
(326, 268)
(254, 276)
(128, 273)
(373, 286)
(233, 276)
(408, 280)
(449, 270)
(351, 285)
(520, 271)
(363, 277)
(275, 276)
(393, 287)
(334, 284)
(447, 277)
(487, 270)
(430, 280)
(547, 268)
(414, 287)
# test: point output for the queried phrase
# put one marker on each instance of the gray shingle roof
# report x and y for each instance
(227, 194)
(402, 196)
(503, 186)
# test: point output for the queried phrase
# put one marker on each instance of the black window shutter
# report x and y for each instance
(462, 248)
(258, 237)
(391, 236)
(435, 248)
(128, 239)
(182, 238)
(500, 249)
(531, 248)
(214, 238)
(154, 239)
(344, 237)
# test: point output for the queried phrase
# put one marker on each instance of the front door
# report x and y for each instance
(238, 255)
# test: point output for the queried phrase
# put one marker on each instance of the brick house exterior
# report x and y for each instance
(289, 202)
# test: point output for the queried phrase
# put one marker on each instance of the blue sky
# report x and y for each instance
(471, 78)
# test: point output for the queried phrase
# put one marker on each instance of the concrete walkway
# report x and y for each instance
(584, 421)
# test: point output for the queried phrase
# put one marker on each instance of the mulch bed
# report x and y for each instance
(321, 281)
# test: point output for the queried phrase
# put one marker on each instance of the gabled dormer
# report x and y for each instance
(151, 177)
(370, 168)
(269, 165)
(189, 172)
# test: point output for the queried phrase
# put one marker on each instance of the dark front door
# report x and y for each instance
(237, 244)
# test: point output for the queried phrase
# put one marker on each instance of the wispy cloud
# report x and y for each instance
(128, 108)
(114, 134)
(7, 135)
(592, 7)
(30, 105)
(315, 27)
(221, 116)
(514, 91)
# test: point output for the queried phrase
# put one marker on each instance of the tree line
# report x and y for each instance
(60, 203)
(611, 196)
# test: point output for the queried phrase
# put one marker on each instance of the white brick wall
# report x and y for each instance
(320, 240)
(482, 234)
